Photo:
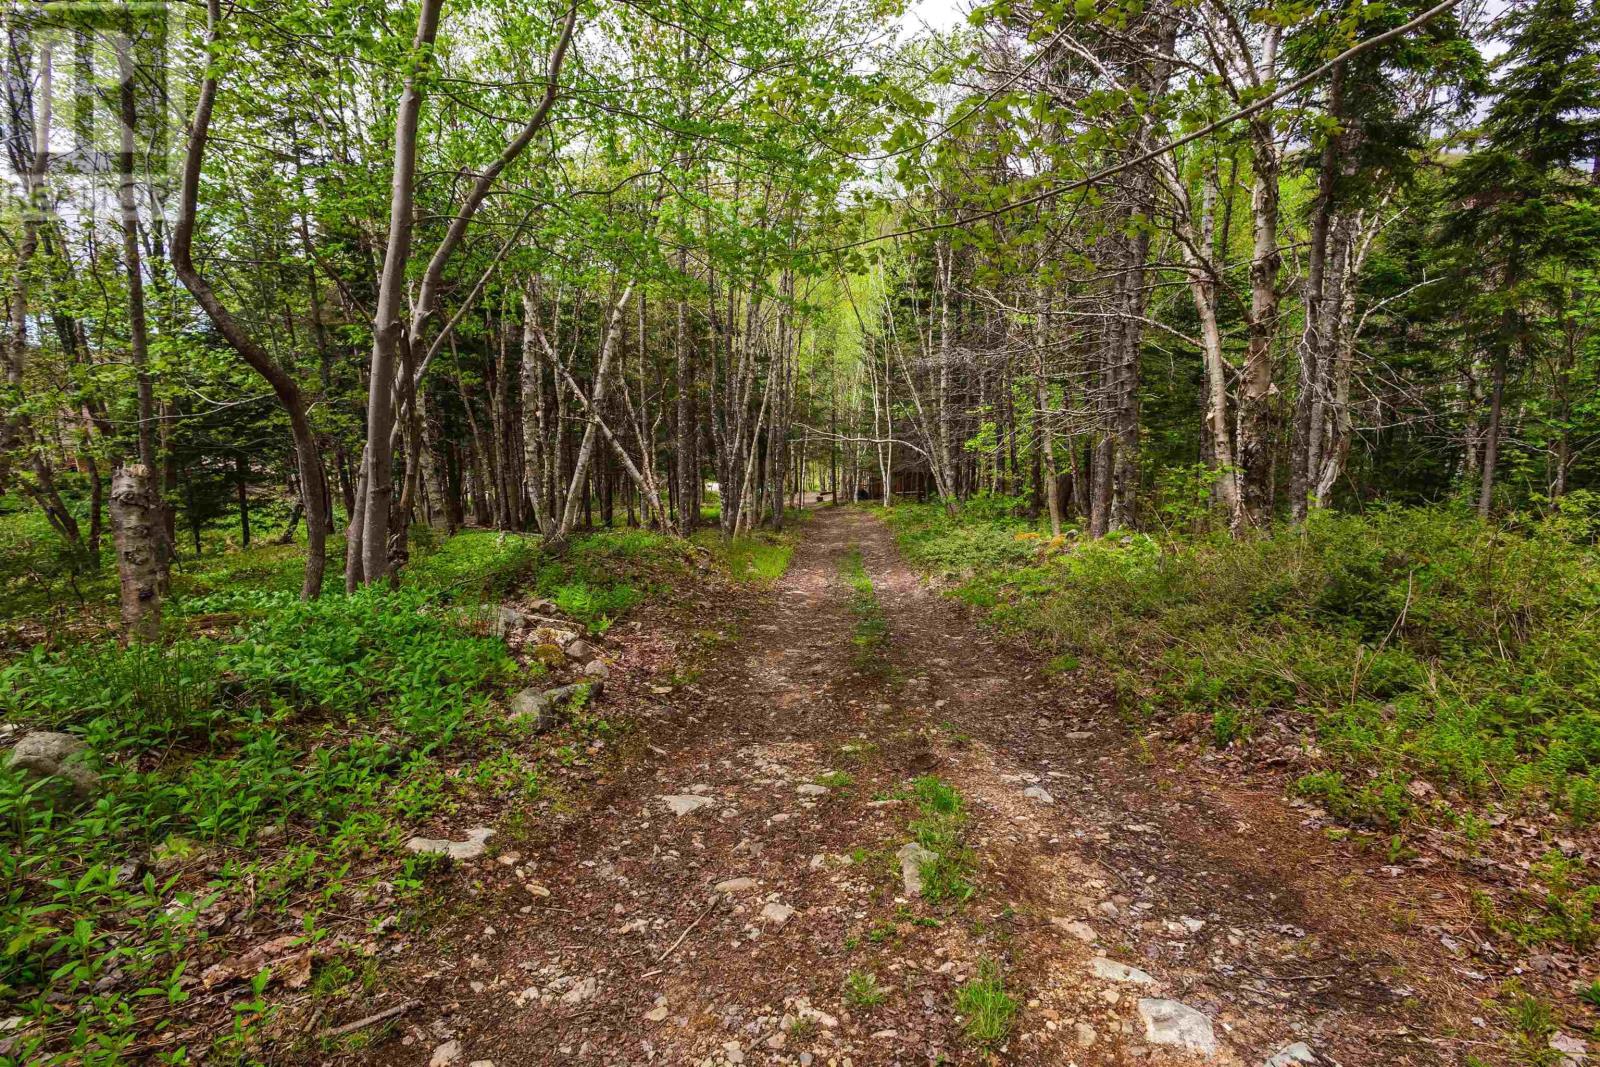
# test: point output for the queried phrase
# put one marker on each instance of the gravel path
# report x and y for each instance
(731, 895)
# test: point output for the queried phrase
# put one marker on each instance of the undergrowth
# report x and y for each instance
(760, 557)
(1433, 666)
(1419, 643)
(262, 766)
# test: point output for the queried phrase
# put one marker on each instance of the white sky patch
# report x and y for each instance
(936, 15)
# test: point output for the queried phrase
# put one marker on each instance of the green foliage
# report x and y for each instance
(939, 827)
(861, 990)
(982, 538)
(472, 563)
(761, 557)
(1416, 642)
(872, 628)
(602, 576)
(987, 1010)
(1557, 906)
(1533, 1022)
(319, 726)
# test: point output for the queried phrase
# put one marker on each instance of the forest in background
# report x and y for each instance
(1242, 354)
(365, 268)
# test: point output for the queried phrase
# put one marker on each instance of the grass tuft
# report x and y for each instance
(861, 989)
(988, 1010)
(871, 629)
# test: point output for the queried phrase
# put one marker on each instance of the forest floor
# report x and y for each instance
(727, 890)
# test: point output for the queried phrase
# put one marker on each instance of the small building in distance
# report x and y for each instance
(910, 475)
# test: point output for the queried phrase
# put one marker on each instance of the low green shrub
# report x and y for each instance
(1433, 664)
(939, 827)
(318, 726)
(1417, 642)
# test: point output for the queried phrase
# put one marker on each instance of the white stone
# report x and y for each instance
(803, 1008)
(445, 1054)
(777, 914)
(1039, 793)
(1574, 1051)
(1166, 1022)
(581, 992)
(1112, 971)
(682, 804)
(912, 856)
(1290, 1055)
(1078, 929)
(811, 789)
(735, 885)
(470, 849)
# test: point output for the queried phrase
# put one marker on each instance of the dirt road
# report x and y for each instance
(731, 894)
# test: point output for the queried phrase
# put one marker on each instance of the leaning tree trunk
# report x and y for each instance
(284, 386)
(136, 523)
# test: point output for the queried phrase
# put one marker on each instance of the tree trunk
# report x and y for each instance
(387, 322)
(241, 471)
(284, 387)
(1491, 436)
(1256, 389)
(136, 526)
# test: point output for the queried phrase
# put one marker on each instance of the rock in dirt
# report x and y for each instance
(682, 804)
(508, 621)
(580, 650)
(1039, 793)
(1166, 1022)
(445, 1054)
(804, 1010)
(469, 849)
(1573, 1051)
(543, 705)
(50, 754)
(1292, 1055)
(596, 670)
(811, 789)
(735, 885)
(584, 990)
(1078, 929)
(552, 635)
(913, 857)
(776, 914)
(1111, 971)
